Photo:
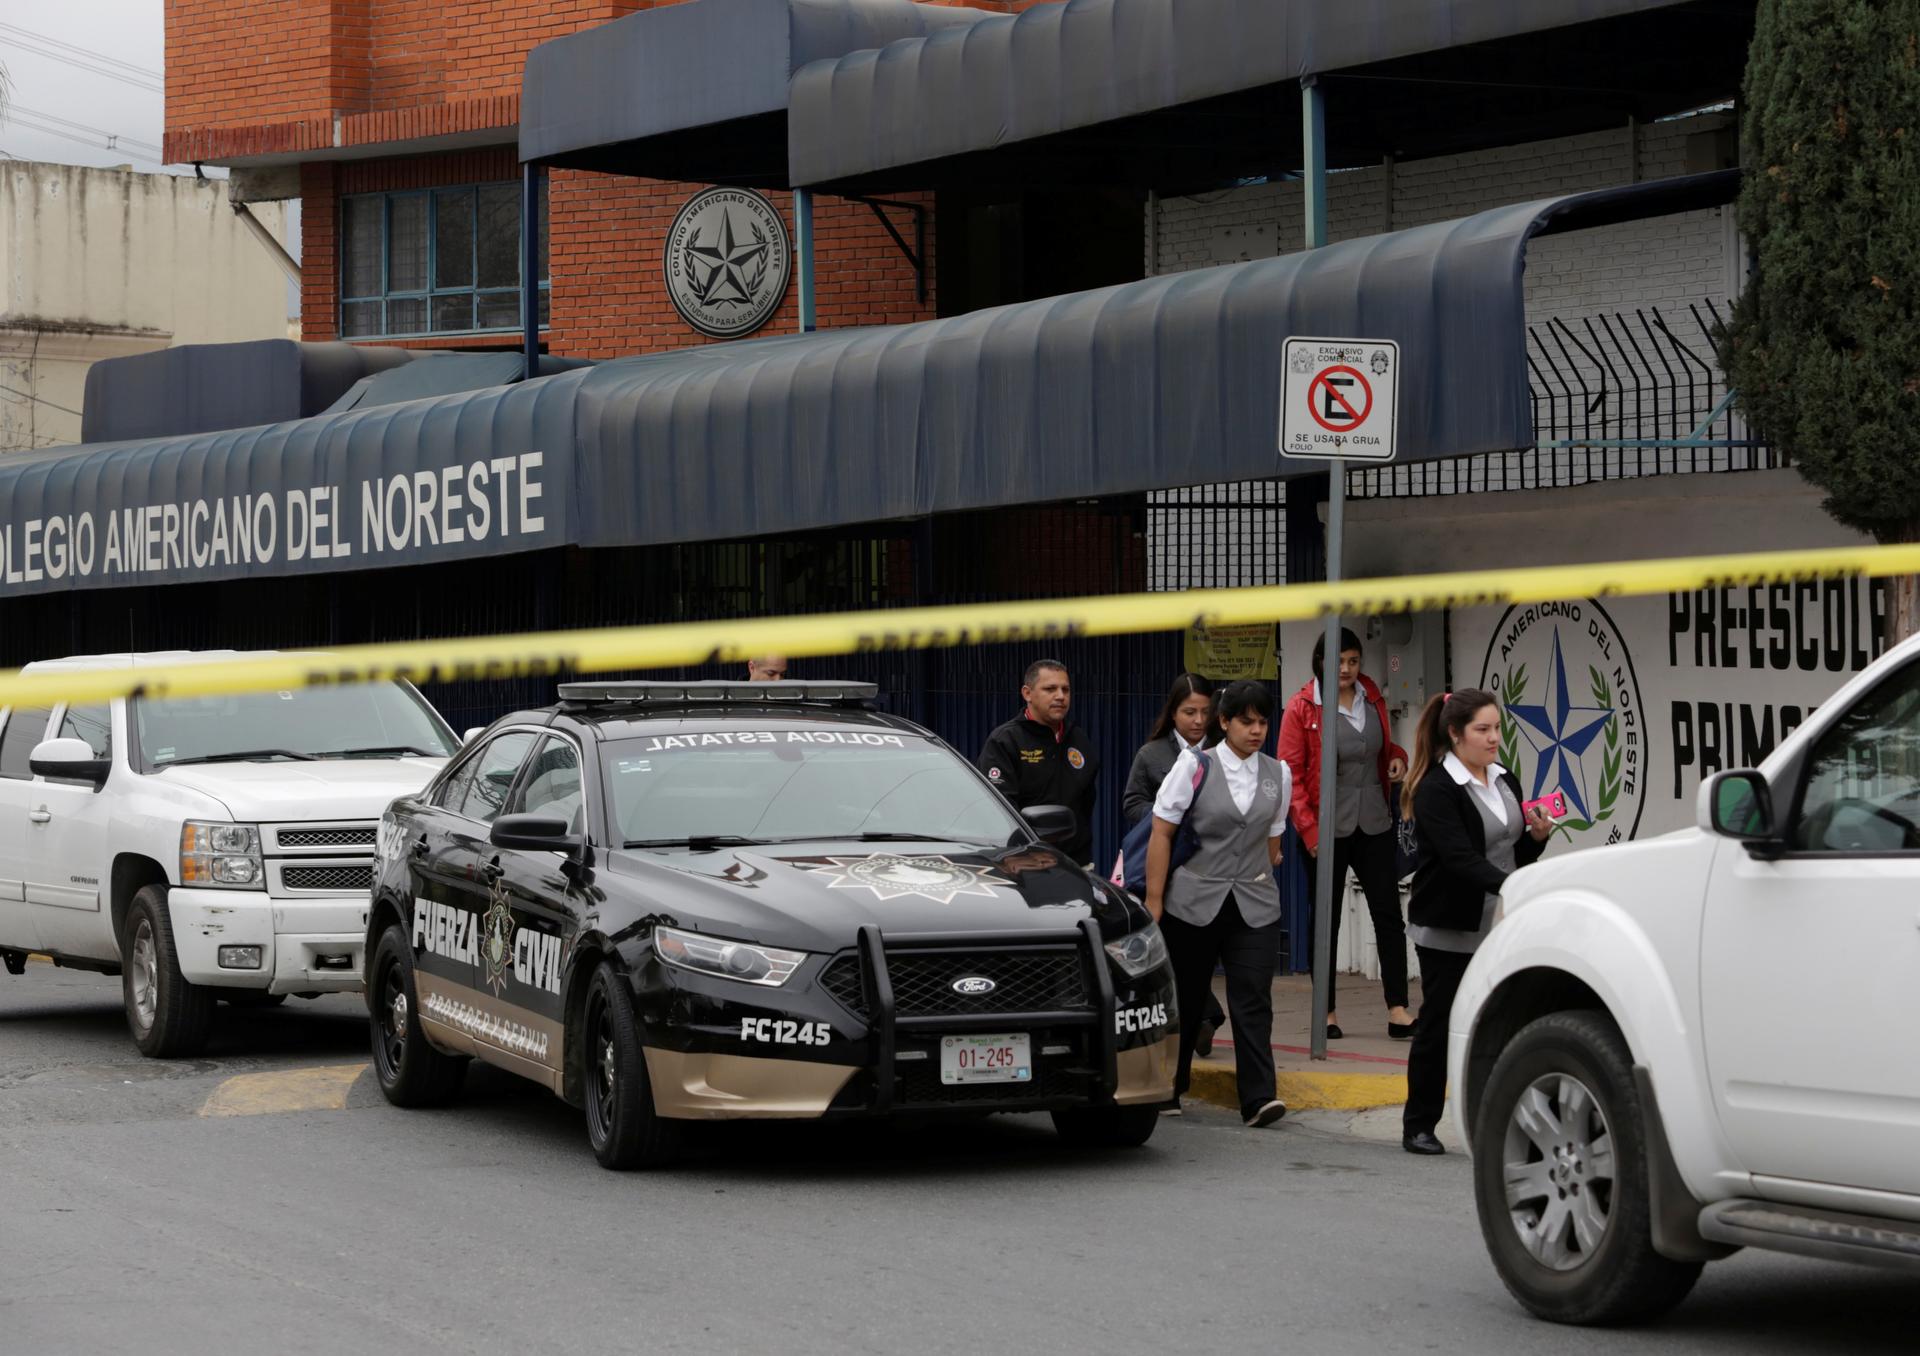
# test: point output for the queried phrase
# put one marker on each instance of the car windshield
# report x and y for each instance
(759, 786)
(362, 720)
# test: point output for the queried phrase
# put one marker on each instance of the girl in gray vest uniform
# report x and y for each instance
(1223, 906)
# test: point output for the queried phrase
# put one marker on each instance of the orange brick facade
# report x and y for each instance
(278, 77)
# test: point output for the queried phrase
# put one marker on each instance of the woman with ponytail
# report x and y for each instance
(1473, 834)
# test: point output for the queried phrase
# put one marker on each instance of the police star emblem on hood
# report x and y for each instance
(940, 879)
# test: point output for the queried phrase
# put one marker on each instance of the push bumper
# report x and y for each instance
(307, 945)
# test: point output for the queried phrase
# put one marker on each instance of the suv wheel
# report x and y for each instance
(1107, 1127)
(1560, 1177)
(411, 1072)
(621, 1123)
(168, 1016)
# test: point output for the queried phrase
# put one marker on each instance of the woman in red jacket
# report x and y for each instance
(1362, 819)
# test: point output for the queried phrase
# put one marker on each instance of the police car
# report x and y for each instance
(675, 902)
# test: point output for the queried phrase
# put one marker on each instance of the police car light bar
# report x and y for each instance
(710, 691)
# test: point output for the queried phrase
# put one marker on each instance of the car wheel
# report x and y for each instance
(1107, 1127)
(168, 1016)
(411, 1072)
(251, 998)
(621, 1123)
(1560, 1177)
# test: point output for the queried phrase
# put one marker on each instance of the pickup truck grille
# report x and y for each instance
(353, 838)
(333, 879)
(327, 838)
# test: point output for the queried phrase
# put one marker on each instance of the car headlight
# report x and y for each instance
(1138, 952)
(226, 856)
(743, 961)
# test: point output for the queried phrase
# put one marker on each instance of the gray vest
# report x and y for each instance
(1232, 854)
(1359, 803)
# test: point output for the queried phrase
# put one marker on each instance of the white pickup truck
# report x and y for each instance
(203, 848)
(1669, 1050)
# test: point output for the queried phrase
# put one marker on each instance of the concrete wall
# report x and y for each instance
(97, 263)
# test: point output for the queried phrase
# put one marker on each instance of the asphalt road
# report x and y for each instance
(130, 1219)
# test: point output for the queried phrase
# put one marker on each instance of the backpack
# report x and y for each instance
(1130, 867)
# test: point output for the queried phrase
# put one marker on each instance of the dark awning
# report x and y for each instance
(697, 91)
(1169, 382)
(1160, 93)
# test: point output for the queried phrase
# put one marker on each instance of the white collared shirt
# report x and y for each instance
(1488, 795)
(1356, 714)
(1243, 779)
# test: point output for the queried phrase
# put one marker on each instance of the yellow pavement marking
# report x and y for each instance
(263, 1094)
(920, 628)
(1214, 1082)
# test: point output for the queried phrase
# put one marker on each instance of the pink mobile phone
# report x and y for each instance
(1555, 805)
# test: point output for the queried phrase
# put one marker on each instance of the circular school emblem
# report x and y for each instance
(728, 260)
(496, 937)
(1076, 759)
(1570, 716)
(940, 879)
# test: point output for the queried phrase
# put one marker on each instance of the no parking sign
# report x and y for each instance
(1338, 399)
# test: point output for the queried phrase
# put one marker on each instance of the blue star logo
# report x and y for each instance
(1560, 734)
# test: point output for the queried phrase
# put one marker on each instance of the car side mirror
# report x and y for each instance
(69, 760)
(535, 833)
(1739, 805)
(1053, 824)
(472, 735)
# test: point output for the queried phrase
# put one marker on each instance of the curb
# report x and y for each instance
(1213, 1083)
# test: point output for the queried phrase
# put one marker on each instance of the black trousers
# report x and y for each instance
(1440, 973)
(1374, 862)
(1249, 956)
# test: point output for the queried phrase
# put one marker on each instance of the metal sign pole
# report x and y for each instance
(1313, 128)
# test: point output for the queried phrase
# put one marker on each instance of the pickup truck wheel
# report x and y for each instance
(1560, 1177)
(621, 1123)
(410, 1071)
(1110, 1127)
(168, 1016)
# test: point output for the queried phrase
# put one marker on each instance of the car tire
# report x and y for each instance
(251, 998)
(1107, 1127)
(622, 1125)
(1561, 1177)
(409, 1070)
(168, 1016)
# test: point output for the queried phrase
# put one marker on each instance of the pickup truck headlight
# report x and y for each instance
(224, 856)
(743, 961)
(1138, 952)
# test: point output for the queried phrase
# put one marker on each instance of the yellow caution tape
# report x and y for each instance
(925, 628)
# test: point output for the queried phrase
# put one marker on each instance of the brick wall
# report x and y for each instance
(1668, 261)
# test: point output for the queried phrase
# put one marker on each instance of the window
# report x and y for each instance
(438, 261)
(1863, 779)
(493, 774)
(552, 785)
(26, 727)
(91, 723)
(370, 720)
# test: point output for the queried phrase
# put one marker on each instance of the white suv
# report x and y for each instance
(204, 847)
(1672, 1049)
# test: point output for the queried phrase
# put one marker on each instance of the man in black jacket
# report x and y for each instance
(1038, 758)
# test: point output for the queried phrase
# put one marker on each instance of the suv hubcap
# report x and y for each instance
(145, 967)
(1558, 1158)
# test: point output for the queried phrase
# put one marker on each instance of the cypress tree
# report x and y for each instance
(1824, 345)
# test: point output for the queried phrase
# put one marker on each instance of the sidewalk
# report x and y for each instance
(1366, 1069)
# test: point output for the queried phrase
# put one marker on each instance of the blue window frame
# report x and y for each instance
(435, 261)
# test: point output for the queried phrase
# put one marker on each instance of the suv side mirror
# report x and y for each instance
(1050, 823)
(535, 833)
(1740, 805)
(69, 760)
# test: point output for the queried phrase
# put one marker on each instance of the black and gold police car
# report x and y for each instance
(676, 902)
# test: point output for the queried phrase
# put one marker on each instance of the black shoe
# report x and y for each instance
(1422, 1143)
(1334, 1033)
(1203, 1048)
(1400, 1031)
(1266, 1115)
